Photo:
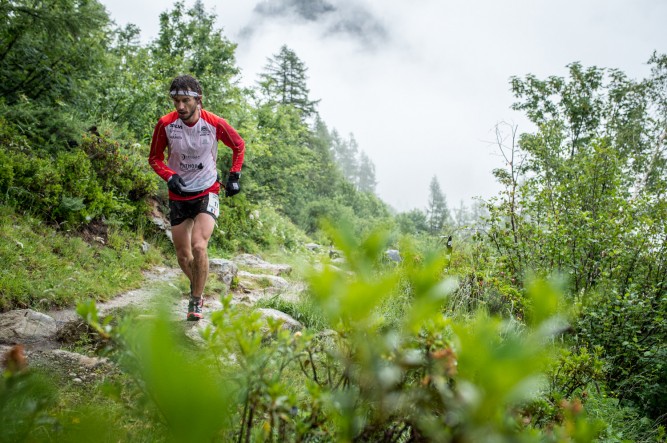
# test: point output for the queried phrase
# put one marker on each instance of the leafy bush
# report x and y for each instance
(100, 180)
(24, 397)
(632, 331)
(244, 226)
(120, 168)
(44, 128)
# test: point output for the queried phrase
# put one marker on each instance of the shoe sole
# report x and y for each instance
(194, 317)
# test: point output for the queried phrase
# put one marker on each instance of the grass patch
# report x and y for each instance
(45, 268)
(305, 311)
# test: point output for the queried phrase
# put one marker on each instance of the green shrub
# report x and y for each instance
(244, 226)
(100, 180)
(43, 126)
(120, 168)
(632, 331)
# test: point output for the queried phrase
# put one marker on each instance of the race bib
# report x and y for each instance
(213, 204)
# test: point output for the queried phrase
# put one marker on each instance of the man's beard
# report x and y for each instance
(188, 116)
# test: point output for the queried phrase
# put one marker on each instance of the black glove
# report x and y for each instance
(232, 187)
(176, 184)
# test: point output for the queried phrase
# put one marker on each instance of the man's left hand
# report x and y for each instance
(232, 187)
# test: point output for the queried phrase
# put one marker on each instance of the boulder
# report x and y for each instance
(252, 261)
(159, 218)
(25, 326)
(289, 322)
(263, 281)
(393, 255)
(226, 270)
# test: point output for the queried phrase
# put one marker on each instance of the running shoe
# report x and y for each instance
(195, 308)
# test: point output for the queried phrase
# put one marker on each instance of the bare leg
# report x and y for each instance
(181, 234)
(201, 233)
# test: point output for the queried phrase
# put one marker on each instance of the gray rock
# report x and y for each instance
(26, 325)
(159, 218)
(264, 279)
(314, 247)
(194, 330)
(289, 322)
(252, 261)
(393, 255)
(226, 270)
(4, 349)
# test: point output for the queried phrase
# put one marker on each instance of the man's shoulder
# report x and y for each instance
(211, 118)
(168, 118)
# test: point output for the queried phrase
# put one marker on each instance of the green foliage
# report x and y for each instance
(120, 169)
(243, 226)
(280, 161)
(438, 213)
(585, 210)
(74, 187)
(584, 198)
(132, 94)
(622, 423)
(188, 42)
(412, 222)
(24, 397)
(427, 377)
(46, 128)
(50, 48)
(575, 371)
(631, 329)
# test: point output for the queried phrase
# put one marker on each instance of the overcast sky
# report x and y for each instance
(422, 83)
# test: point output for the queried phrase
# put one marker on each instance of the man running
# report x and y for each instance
(190, 134)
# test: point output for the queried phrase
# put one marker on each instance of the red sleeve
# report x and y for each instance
(156, 156)
(231, 138)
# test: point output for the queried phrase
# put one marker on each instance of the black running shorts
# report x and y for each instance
(179, 211)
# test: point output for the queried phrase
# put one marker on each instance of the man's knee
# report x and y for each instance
(199, 248)
(183, 258)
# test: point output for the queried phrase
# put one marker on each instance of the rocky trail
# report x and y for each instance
(46, 338)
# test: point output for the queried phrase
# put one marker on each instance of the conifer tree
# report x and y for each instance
(283, 82)
(345, 153)
(438, 213)
(50, 50)
(366, 181)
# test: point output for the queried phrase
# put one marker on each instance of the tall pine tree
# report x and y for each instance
(366, 181)
(283, 82)
(438, 213)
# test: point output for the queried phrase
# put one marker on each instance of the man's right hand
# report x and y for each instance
(176, 184)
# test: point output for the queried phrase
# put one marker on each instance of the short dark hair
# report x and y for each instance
(185, 83)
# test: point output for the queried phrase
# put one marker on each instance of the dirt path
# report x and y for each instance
(47, 339)
(140, 297)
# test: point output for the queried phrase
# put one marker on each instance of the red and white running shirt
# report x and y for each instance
(192, 151)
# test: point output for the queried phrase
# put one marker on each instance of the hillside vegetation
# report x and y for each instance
(545, 319)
